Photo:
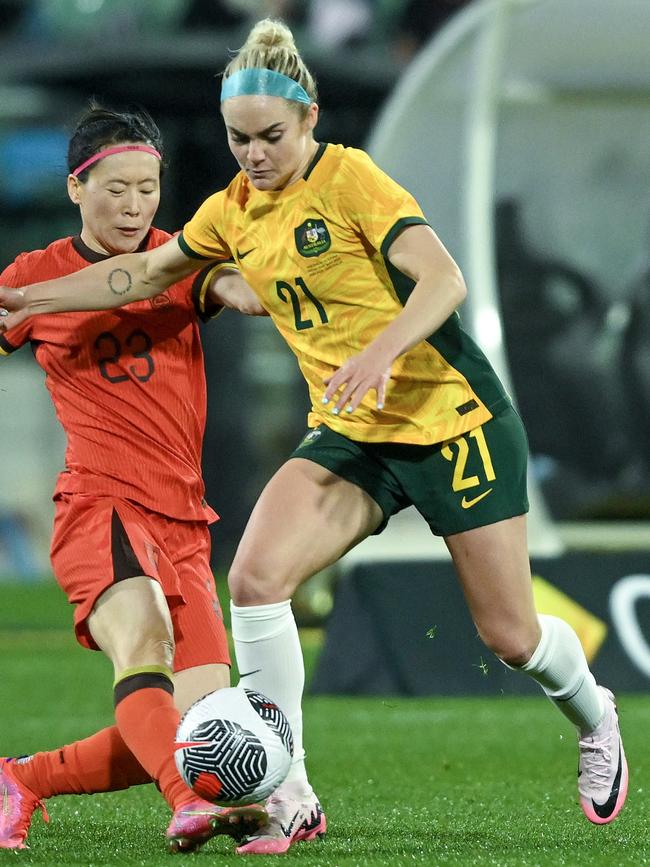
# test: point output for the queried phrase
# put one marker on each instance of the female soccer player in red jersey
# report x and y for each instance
(131, 545)
(405, 408)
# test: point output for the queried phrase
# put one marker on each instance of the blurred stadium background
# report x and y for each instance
(522, 126)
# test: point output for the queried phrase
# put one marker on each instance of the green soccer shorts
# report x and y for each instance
(476, 479)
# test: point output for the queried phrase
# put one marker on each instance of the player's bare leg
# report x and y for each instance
(133, 626)
(305, 519)
(493, 568)
(131, 623)
(193, 683)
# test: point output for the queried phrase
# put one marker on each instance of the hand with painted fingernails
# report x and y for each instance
(361, 373)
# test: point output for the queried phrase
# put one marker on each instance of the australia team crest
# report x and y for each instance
(312, 238)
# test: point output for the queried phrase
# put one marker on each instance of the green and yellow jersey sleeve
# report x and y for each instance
(201, 238)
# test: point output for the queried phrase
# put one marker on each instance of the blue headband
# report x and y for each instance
(263, 82)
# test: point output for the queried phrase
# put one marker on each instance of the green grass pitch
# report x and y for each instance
(404, 781)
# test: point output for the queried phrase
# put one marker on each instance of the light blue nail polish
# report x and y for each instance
(325, 400)
(380, 406)
(335, 411)
(348, 409)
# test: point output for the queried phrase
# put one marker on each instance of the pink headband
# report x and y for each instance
(116, 150)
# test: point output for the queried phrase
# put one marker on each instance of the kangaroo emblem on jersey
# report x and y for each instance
(312, 238)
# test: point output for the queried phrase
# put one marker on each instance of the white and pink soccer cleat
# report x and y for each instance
(602, 771)
(292, 817)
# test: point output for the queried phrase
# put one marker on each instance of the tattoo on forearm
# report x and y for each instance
(119, 281)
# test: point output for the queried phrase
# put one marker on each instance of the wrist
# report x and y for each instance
(32, 306)
(382, 352)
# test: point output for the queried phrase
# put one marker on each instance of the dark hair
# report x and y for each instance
(99, 127)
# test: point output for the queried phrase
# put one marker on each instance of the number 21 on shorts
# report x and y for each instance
(458, 450)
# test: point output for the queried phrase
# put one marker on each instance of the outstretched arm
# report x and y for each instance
(112, 283)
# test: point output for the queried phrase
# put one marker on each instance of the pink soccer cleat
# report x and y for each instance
(291, 819)
(198, 821)
(17, 805)
(602, 772)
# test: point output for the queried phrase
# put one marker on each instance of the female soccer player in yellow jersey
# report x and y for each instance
(405, 408)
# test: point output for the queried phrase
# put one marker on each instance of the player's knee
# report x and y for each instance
(155, 647)
(514, 648)
(161, 648)
(249, 586)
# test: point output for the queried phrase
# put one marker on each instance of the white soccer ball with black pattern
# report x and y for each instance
(234, 746)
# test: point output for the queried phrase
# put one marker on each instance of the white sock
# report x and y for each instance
(269, 656)
(560, 667)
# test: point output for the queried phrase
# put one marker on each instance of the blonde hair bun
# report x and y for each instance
(270, 45)
(271, 33)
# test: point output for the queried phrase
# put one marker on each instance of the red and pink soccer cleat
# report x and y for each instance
(17, 805)
(198, 821)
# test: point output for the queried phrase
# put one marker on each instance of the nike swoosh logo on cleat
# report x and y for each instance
(287, 831)
(314, 819)
(248, 673)
(467, 504)
(605, 810)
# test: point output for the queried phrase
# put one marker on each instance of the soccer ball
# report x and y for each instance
(233, 746)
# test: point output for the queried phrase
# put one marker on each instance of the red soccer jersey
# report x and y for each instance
(128, 385)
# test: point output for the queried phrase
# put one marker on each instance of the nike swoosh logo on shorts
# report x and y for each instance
(467, 504)
(243, 255)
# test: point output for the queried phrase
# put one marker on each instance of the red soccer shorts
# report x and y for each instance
(98, 541)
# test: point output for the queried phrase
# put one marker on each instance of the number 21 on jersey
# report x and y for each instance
(292, 295)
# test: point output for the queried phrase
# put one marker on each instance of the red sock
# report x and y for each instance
(100, 763)
(147, 719)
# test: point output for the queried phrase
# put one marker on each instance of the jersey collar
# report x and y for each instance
(92, 256)
(316, 158)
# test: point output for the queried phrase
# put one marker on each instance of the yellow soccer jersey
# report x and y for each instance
(315, 253)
